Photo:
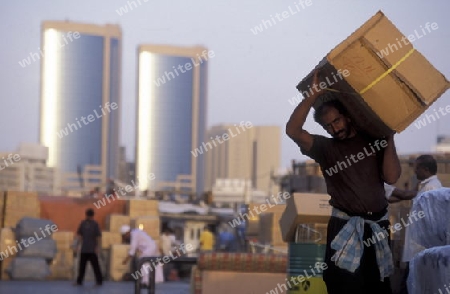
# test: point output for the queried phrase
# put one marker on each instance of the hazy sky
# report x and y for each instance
(251, 77)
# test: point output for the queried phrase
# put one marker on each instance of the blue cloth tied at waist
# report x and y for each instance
(349, 244)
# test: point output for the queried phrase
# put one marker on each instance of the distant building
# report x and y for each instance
(26, 170)
(233, 192)
(249, 153)
(80, 100)
(171, 117)
(126, 169)
(443, 144)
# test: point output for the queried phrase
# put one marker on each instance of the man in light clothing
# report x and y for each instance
(140, 241)
(425, 169)
(168, 243)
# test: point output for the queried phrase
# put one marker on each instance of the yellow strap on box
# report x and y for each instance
(387, 72)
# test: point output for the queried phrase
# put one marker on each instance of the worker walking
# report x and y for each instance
(89, 240)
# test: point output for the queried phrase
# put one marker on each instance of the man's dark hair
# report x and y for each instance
(428, 162)
(89, 212)
(329, 103)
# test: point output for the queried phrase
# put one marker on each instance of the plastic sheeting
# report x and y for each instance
(428, 224)
(33, 227)
(45, 248)
(28, 268)
(430, 271)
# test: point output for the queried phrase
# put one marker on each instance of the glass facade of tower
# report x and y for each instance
(166, 126)
(73, 102)
(114, 118)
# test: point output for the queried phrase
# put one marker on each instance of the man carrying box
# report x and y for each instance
(355, 167)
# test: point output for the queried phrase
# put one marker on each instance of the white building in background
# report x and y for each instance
(443, 144)
(252, 154)
(26, 170)
(233, 192)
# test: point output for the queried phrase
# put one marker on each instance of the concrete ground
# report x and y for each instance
(65, 287)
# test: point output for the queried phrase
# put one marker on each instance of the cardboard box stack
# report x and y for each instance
(116, 221)
(116, 269)
(13, 207)
(143, 214)
(304, 208)
(137, 208)
(63, 264)
(382, 80)
(110, 238)
(149, 224)
(18, 205)
(269, 229)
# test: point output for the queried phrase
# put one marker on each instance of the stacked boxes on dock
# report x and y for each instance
(13, 207)
(269, 228)
(62, 265)
(141, 214)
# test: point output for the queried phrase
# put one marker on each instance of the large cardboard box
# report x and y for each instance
(115, 221)
(62, 266)
(304, 208)
(110, 238)
(140, 207)
(269, 229)
(384, 82)
(255, 212)
(19, 205)
(116, 268)
(64, 240)
(149, 224)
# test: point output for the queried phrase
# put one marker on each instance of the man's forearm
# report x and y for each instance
(298, 117)
(404, 194)
(391, 163)
(300, 113)
(394, 199)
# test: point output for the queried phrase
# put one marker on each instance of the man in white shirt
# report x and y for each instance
(425, 169)
(168, 243)
(140, 241)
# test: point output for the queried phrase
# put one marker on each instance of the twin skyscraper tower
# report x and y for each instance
(81, 106)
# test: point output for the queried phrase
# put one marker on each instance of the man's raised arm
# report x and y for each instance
(294, 127)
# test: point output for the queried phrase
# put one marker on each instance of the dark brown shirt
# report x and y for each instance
(352, 169)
